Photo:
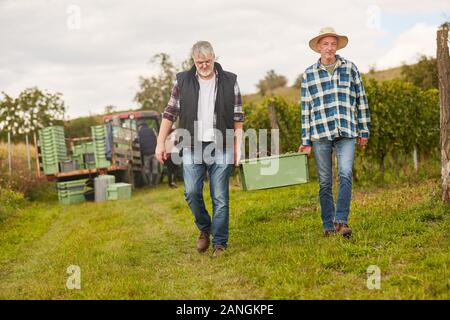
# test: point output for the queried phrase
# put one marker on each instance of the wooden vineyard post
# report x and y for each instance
(443, 62)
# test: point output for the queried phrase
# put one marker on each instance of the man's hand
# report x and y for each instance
(306, 149)
(160, 152)
(363, 142)
(164, 130)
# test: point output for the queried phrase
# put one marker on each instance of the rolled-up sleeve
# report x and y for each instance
(238, 111)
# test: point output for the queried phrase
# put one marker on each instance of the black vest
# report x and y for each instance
(223, 109)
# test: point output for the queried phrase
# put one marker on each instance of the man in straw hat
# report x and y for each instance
(335, 114)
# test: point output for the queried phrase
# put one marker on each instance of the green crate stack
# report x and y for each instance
(99, 140)
(78, 150)
(89, 147)
(70, 192)
(53, 148)
(119, 191)
(79, 159)
(90, 165)
(77, 154)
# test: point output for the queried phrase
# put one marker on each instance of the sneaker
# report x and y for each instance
(203, 241)
(218, 250)
(343, 229)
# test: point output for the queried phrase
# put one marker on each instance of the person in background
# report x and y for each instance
(147, 142)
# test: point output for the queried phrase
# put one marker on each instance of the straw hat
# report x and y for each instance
(325, 32)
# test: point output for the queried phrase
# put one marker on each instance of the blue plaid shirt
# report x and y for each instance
(333, 105)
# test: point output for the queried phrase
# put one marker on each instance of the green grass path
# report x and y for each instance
(144, 248)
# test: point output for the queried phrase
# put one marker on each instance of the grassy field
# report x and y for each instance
(144, 248)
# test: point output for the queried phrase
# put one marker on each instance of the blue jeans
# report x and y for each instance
(345, 151)
(218, 163)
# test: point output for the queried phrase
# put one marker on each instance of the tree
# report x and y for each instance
(423, 74)
(298, 81)
(109, 109)
(155, 91)
(271, 81)
(31, 110)
(187, 64)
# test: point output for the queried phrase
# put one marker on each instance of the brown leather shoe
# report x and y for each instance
(203, 241)
(343, 229)
(218, 250)
(330, 232)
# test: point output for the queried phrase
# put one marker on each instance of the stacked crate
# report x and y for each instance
(84, 154)
(99, 137)
(88, 156)
(119, 191)
(53, 148)
(77, 154)
(70, 192)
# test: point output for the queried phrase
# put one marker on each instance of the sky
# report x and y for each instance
(93, 51)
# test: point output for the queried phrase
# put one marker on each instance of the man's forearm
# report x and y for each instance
(238, 130)
(164, 130)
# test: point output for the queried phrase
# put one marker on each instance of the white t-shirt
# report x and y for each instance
(205, 112)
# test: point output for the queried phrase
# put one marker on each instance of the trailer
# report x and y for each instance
(126, 162)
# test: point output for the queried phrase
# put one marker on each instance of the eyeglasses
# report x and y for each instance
(206, 62)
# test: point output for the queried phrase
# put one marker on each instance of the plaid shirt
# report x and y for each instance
(333, 105)
(172, 110)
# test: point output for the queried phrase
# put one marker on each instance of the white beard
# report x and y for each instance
(205, 74)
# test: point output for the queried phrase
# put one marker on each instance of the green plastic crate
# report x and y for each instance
(110, 178)
(78, 150)
(79, 159)
(52, 144)
(119, 191)
(275, 171)
(72, 183)
(100, 158)
(99, 129)
(102, 163)
(72, 198)
(90, 165)
(89, 147)
(54, 150)
(53, 154)
(53, 128)
(50, 168)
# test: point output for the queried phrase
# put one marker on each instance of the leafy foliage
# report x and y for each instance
(403, 116)
(155, 91)
(423, 74)
(31, 110)
(271, 81)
